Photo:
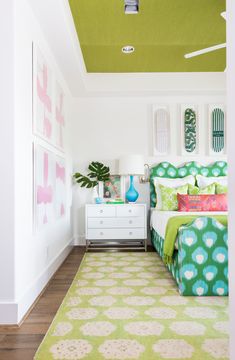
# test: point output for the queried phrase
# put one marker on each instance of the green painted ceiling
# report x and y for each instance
(162, 32)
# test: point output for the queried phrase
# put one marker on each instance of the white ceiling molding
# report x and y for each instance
(147, 84)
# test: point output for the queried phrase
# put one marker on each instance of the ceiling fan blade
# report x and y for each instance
(223, 14)
(205, 51)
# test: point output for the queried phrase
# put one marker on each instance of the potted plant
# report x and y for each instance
(99, 173)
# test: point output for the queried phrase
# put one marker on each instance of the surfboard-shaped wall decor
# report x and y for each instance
(217, 130)
(161, 131)
(190, 130)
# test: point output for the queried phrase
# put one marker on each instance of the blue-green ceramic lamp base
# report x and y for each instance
(132, 195)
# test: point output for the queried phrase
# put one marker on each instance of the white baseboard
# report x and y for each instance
(8, 313)
(79, 240)
(12, 313)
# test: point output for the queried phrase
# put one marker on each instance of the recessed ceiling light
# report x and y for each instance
(128, 49)
(131, 6)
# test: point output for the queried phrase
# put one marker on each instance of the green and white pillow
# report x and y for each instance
(169, 196)
(208, 190)
(170, 183)
(221, 189)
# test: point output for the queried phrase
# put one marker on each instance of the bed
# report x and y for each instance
(199, 261)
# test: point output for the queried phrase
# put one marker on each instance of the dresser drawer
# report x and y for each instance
(117, 222)
(111, 234)
(101, 211)
(130, 210)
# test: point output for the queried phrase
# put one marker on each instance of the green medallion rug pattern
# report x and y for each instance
(127, 306)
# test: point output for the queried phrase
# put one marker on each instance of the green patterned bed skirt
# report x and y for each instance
(200, 265)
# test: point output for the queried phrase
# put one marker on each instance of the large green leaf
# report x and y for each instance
(98, 171)
(84, 181)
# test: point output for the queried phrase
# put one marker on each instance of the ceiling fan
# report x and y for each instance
(209, 49)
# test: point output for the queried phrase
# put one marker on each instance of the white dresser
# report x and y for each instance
(123, 225)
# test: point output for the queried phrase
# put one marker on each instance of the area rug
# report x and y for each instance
(127, 306)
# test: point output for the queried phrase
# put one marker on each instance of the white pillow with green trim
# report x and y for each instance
(203, 181)
(171, 183)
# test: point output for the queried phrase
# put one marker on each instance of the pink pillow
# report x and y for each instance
(217, 202)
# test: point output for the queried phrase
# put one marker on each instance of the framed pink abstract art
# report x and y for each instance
(42, 97)
(60, 187)
(48, 130)
(44, 186)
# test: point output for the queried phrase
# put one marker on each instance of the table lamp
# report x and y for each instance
(131, 165)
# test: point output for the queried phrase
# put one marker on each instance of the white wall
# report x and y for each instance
(105, 128)
(7, 154)
(35, 255)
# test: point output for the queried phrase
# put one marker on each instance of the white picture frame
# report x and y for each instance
(211, 108)
(48, 94)
(49, 186)
(44, 187)
(43, 96)
(161, 130)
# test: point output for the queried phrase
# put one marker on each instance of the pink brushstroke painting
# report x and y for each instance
(43, 100)
(60, 187)
(45, 191)
(60, 172)
(42, 92)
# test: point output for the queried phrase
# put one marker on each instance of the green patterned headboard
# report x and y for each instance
(167, 170)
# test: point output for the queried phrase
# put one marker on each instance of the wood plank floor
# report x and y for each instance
(21, 343)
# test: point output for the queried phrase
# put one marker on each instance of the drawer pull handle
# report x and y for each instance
(130, 211)
(130, 233)
(130, 222)
(101, 222)
(101, 233)
(101, 211)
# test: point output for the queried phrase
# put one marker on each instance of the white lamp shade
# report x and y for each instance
(131, 165)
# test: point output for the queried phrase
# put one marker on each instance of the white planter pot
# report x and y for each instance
(101, 189)
(95, 193)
